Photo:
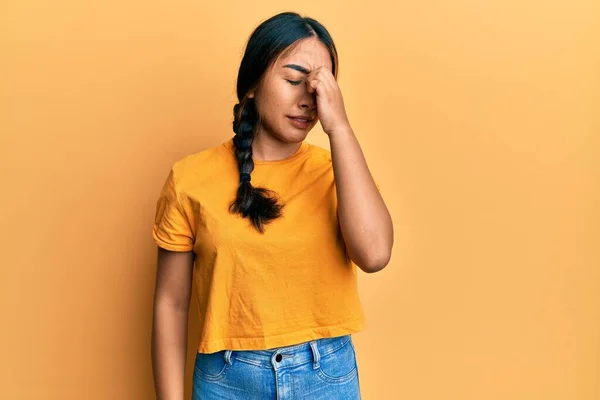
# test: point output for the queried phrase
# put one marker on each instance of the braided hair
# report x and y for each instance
(269, 40)
(260, 205)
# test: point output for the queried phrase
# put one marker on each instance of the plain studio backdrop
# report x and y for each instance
(479, 119)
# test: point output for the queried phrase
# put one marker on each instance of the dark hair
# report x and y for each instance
(268, 41)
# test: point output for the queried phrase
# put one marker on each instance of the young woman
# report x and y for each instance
(276, 229)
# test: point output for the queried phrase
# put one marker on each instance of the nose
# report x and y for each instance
(308, 101)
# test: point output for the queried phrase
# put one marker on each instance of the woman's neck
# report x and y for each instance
(265, 147)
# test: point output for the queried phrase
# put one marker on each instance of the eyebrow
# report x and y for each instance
(297, 68)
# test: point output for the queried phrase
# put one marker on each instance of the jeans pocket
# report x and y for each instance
(211, 366)
(339, 366)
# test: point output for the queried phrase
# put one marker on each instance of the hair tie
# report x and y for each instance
(245, 177)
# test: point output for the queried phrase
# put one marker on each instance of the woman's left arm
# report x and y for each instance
(364, 219)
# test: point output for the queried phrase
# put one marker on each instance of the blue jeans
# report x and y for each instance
(323, 369)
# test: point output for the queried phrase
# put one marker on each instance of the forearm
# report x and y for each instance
(169, 347)
(364, 219)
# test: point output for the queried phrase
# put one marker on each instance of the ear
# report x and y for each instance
(251, 95)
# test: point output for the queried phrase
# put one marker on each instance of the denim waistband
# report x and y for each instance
(289, 356)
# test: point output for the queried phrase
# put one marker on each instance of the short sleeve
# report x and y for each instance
(172, 229)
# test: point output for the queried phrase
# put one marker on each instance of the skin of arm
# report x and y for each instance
(364, 219)
(170, 322)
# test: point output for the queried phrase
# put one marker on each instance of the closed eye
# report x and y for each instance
(295, 83)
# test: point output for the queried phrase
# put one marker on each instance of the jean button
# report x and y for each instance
(278, 357)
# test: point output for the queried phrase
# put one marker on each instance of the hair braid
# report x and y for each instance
(260, 205)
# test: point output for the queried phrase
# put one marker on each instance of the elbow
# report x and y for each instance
(375, 263)
(372, 256)
(171, 304)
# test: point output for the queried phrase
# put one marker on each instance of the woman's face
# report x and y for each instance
(283, 93)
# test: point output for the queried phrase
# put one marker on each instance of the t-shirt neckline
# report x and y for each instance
(304, 146)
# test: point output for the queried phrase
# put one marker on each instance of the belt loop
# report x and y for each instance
(316, 355)
(228, 356)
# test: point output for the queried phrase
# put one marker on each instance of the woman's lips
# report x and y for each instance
(301, 123)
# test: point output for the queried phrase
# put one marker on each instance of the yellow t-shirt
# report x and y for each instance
(292, 284)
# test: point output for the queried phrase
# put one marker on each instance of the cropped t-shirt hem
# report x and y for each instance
(288, 339)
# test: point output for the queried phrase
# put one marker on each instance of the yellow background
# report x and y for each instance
(478, 118)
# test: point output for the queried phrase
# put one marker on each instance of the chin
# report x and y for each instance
(297, 138)
(293, 137)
